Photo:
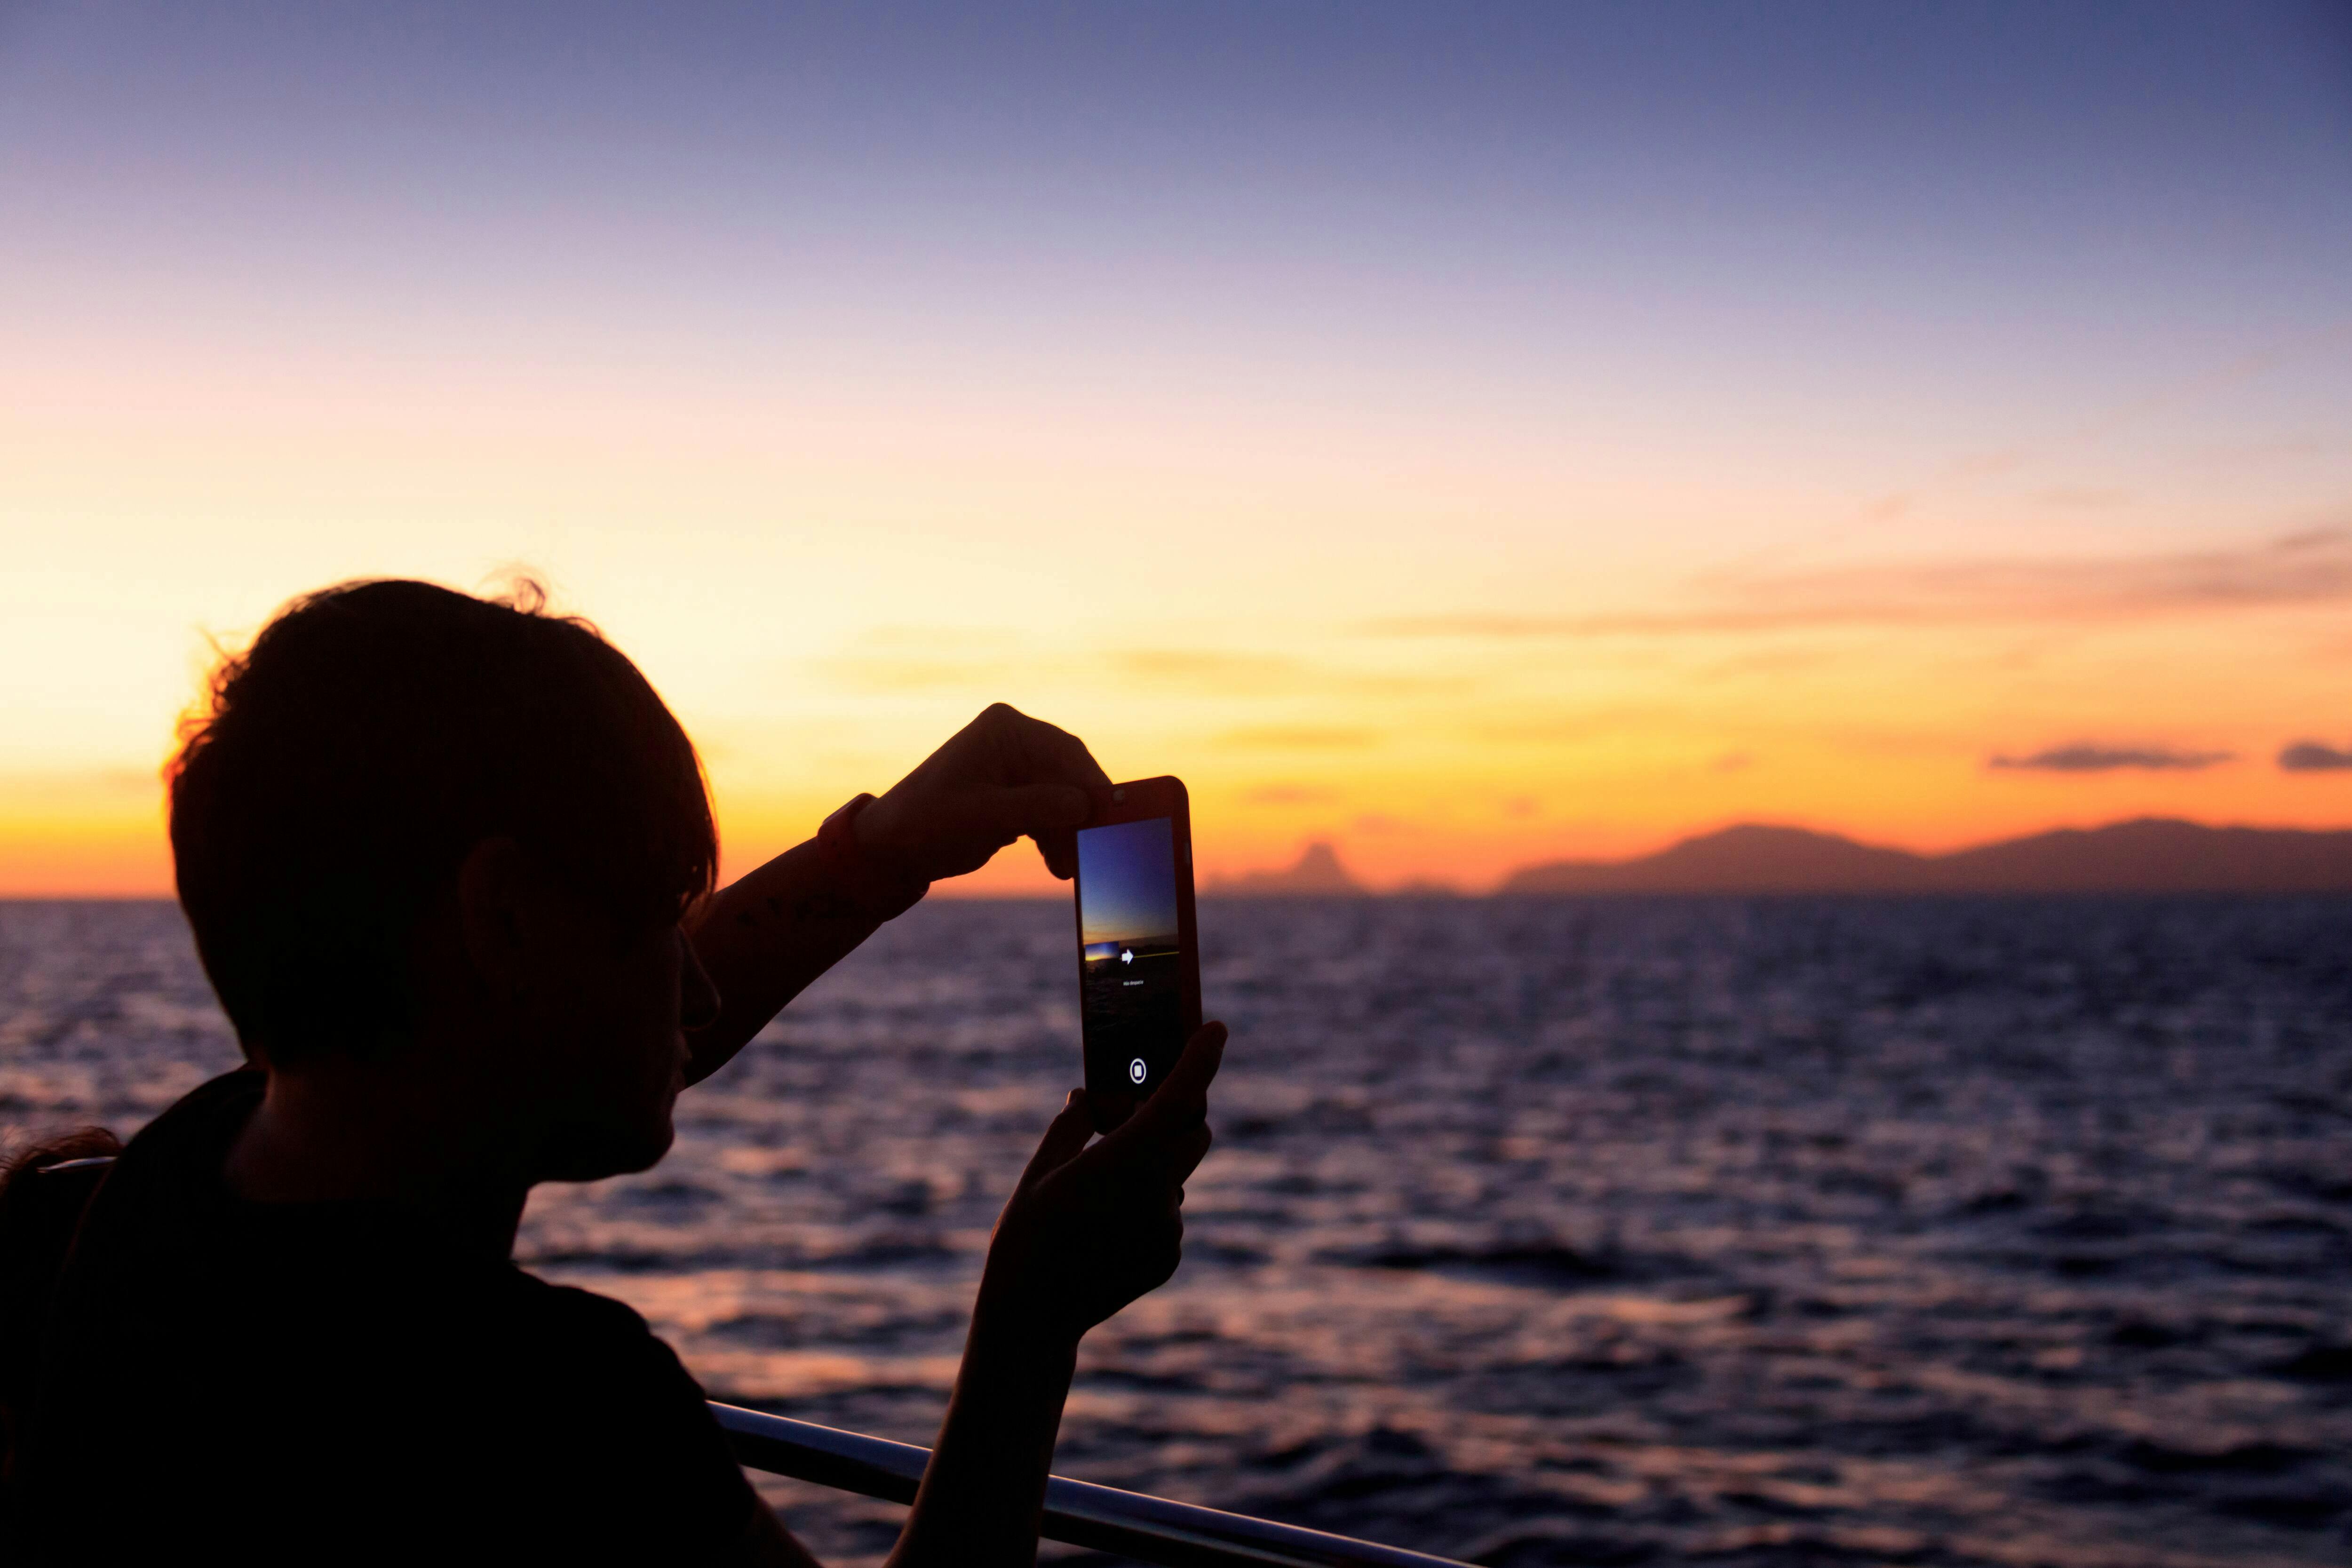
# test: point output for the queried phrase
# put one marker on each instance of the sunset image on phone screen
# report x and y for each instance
(1131, 950)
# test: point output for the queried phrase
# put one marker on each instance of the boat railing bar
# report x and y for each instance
(1131, 1524)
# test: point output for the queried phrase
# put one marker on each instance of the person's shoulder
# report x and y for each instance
(161, 1204)
(213, 1112)
(569, 1310)
(180, 1151)
(585, 1338)
(615, 1384)
(618, 1423)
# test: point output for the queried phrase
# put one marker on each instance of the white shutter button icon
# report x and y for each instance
(1136, 1070)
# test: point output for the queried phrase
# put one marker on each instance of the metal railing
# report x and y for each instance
(1144, 1529)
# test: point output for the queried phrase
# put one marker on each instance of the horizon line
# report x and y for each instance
(1231, 885)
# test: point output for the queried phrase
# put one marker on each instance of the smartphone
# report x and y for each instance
(1139, 958)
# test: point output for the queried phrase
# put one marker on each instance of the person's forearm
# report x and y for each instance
(764, 938)
(984, 1490)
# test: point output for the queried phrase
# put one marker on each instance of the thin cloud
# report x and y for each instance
(1201, 670)
(1985, 465)
(1551, 726)
(2083, 498)
(1290, 794)
(2310, 567)
(1297, 738)
(1248, 674)
(2087, 759)
(903, 664)
(2314, 757)
(886, 673)
(82, 784)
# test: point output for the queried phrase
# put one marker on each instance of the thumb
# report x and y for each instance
(1066, 1135)
(1182, 1101)
(1035, 809)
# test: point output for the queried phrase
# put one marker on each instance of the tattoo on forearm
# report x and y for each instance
(826, 907)
(820, 906)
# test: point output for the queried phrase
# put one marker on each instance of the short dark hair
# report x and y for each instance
(376, 732)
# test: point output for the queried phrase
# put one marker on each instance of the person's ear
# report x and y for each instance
(496, 892)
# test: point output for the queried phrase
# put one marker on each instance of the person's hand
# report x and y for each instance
(999, 776)
(1090, 1229)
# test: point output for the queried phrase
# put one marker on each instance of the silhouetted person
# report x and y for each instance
(448, 864)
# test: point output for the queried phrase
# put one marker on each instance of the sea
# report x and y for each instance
(1722, 1231)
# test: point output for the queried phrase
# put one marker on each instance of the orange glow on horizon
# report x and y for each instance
(1410, 452)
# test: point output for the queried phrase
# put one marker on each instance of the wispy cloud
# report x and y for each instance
(1199, 670)
(1290, 794)
(2089, 759)
(2314, 757)
(894, 665)
(87, 786)
(1251, 674)
(1575, 726)
(1297, 738)
(871, 672)
(2311, 567)
(2081, 498)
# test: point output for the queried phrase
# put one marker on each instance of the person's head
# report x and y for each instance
(413, 826)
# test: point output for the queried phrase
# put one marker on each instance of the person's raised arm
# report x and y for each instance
(765, 937)
(1087, 1230)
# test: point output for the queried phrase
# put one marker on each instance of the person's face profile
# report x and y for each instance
(607, 1053)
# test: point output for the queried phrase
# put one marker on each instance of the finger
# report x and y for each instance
(1111, 1108)
(1040, 810)
(1171, 1249)
(1046, 753)
(1154, 1244)
(1175, 1162)
(1186, 1156)
(1180, 1103)
(1060, 849)
(1186, 1089)
(1066, 1137)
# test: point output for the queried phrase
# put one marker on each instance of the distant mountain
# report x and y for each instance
(2157, 855)
(1746, 858)
(1318, 874)
(2153, 855)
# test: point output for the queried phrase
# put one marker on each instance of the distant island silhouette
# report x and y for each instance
(2148, 855)
(1318, 874)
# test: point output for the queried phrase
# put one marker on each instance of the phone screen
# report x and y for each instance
(1131, 954)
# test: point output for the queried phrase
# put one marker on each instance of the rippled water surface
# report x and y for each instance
(1725, 1231)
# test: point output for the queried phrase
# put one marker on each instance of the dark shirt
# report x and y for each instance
(265, 1383)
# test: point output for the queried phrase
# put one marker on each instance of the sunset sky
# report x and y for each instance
(1474, 434)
